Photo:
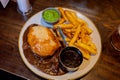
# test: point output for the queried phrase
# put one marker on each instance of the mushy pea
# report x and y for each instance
(51, 15)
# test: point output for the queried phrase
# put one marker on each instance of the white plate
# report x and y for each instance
(85, 67)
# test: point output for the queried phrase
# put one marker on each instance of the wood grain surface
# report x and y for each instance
(104, 13)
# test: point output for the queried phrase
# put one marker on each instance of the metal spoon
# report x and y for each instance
(63, 36)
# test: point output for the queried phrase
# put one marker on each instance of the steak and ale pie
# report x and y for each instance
(41, 48)
(42, 41)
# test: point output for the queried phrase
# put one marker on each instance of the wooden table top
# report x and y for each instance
(104, 13)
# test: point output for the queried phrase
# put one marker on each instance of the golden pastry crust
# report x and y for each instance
(42, 41)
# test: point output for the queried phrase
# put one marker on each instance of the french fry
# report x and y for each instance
(67, 39)
(80, 20)
(92, 45)
(64, 26)
(70, 30)
(74, 15)
(86, 47)
(61, 21)
(86, 39)
(68, 34)
(75, 35)
(70, 17)
(62, 12)
(67, 30)
(89, 31)
(85, 53)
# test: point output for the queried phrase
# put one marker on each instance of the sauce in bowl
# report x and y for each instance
(51, 15)
(70, 58)
(73, 59)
